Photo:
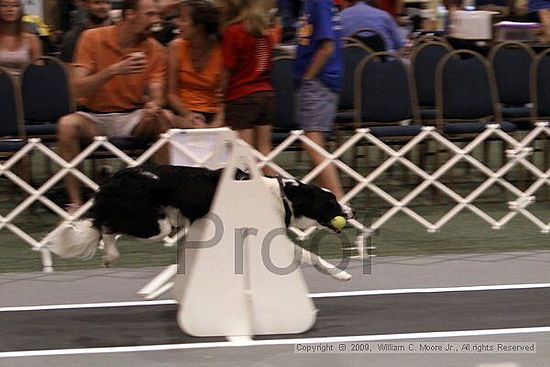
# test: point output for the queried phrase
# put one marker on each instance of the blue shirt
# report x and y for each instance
(319, 21)
(536, 5)
(361, 16)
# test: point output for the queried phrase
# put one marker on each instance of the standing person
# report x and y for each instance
(119, 72)
(319, 78)
(247, 51)
(97, 15)
(195, 67)
(17, 47)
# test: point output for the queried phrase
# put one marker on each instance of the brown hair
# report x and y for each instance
(204, 14)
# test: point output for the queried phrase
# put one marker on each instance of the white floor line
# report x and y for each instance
(274, 342)
(377, 292)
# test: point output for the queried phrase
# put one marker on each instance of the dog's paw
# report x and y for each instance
(342, 275)
(105, 263)
(108, 259)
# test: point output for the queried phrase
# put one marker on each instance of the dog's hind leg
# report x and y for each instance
(321, 264)
(110, 251)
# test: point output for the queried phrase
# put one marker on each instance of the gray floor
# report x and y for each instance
(108, 285)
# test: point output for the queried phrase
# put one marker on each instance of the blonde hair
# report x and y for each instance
(255, 15)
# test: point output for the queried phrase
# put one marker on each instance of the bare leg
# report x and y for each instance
(153, 127)
(71, 130)
(263, 144)
(328, 178)
(247, 135)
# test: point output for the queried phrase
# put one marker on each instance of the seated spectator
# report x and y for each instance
(357, 15)
(17, 46)
(539, 11)
(97, 15)
(119, 72)
(195, 67)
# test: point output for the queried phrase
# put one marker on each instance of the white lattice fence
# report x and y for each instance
(517, 154)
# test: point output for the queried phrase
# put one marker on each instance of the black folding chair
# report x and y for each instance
(370, 38)
(385, 100)
(12, 135)
(540, 95)
(466, 95)
(424, 59)
(46, 96)
(282, 73)
(511, 63)
(352, 54)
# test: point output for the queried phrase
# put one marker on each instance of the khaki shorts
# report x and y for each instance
(317, 106)
(115, 125)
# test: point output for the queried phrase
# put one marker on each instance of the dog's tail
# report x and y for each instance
(78, 239)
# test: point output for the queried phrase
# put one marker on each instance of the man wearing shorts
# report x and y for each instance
(319, 78)
(117, 75)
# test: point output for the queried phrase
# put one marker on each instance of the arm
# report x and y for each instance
(36, 47)
(319, 59)
(397, 39)
(85, 83)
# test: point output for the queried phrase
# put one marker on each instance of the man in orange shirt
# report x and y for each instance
(118, 76)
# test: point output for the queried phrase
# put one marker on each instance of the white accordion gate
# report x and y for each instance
(517, 155)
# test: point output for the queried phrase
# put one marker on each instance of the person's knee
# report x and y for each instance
(68, 127)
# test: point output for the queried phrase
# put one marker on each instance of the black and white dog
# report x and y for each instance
(148, 202)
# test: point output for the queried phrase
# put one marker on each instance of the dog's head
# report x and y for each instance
(313, 206)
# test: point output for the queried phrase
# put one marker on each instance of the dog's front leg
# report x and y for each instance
(321, 264)
(110, 251)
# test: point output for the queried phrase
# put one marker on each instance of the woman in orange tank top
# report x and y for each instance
(195, 67)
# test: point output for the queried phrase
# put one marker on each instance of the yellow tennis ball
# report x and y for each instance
(338, 222)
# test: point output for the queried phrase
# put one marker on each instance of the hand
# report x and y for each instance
(196, 121)
(132, 64)
(152, 107)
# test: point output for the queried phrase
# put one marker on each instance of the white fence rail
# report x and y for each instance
(520, 148)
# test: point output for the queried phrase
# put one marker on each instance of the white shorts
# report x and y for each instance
(115, 125)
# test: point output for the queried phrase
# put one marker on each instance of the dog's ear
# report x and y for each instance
(290, 182)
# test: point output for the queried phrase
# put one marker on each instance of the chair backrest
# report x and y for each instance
(465, 88)
(420, 40)
(352, 54)
(511, 62)
(282, 77)
(424, 60)
(540, 85)
(370, 38)
(45, 90)
(383, 90)
(11, 114)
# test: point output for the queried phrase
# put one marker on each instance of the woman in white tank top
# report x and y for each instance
(17, 47)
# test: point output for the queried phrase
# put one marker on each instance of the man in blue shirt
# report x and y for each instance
(319, 79)
(357, 15)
